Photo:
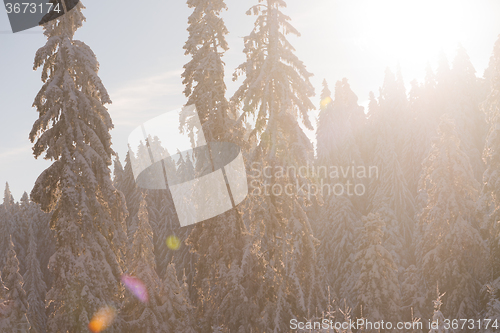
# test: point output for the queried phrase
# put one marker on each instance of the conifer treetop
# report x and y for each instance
(276, 81)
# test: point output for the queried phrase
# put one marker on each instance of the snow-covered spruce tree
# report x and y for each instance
(377, 287)
(4, 307)
(22, 218)
(45, 239)
(335, 134)
(420, 129)
(72, 130)
(491, 155)
(7, 211)
(204, 74)
(276, 92)
(389, 194)
(339, 221)
(325, 117)
(469, 120)
(339, 130)
(8, 199)
(492, 310)
(391, 113)
(176, 306)
(34, 286)
(18, 303)
(217, 243)
(168, 225)
(450, 251)
(412, 295)
(125, 183)
(118, 173)
(143, 317)
(391, 198)
(337, 251)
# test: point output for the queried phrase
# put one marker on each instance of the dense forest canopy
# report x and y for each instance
(391, 215)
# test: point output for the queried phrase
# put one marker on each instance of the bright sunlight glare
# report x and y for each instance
(413, 33)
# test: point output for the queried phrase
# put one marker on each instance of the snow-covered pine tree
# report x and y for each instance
(7, 211)
(276, 82)
(377, 287)
(451, 250)
(117, 173)
(125, 183)
(34, 286)
(143, 317)
(338, 128)
(386, 120)
(420, 127)
(204, 74)
(168, 225)
(16, 296)
(339, 221)
(337, 251)
(276, 92)
(8, 199)
(469, 120)
(326, 113)
(412, 295)
(491, 155)
(88, 212)
(492, 309)
(389, 193)
(21, 220)
(392, 110)
(3, 305)
(444, 82)
(217, 243)
(45, 239)
(178, 312)
(391, 198)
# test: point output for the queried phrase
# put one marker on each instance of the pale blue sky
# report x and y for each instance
(141, 56)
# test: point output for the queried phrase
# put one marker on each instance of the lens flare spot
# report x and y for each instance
(173, 242)
(102, 319)
(136, 287)
(324, 103)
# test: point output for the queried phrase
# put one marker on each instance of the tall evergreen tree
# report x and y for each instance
(389, 193)
(18, 303)
(337, 251)
(450, 250)
(144, 317)
(276, 92)
(8, 199)
(204, 74)
(88, 212)
(377, 287)
(176, 307)
(21, 220)
(35, 286)
(7, 211)
(470, 121)
(217, 243)
(339, 221)
(491, 155)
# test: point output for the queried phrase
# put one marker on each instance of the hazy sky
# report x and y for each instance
(139, 46)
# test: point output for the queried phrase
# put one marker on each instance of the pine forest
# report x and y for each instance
(385, 219)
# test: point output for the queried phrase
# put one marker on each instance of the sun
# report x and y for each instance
(413, 32)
